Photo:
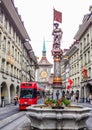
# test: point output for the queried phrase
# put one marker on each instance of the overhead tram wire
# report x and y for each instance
(52, 41)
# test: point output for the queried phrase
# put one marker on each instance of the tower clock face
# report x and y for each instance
(43, 74)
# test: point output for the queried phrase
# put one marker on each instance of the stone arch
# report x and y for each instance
(12, 92)
(89, 87)
(4, 91)
(17, 89)
(88, 90)
(82, 95)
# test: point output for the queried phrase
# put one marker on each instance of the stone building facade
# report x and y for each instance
(80, 56)
(17, 59)
(84, 36)
(71, 63)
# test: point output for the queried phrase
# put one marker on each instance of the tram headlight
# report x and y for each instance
(25, 103)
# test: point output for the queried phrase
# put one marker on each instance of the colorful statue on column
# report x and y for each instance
(57, 54)
(57, 33)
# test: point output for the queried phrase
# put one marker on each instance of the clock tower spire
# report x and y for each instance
(44, 49)
(44, 71)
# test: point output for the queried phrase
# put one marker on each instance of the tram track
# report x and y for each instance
(7, 114)
(10, 119)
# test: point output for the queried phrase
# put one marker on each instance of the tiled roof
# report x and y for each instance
(44, 61)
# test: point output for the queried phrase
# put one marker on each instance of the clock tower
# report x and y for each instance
(44, 71)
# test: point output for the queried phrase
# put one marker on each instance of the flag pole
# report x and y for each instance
(53, 17)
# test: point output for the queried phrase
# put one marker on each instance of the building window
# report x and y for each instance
(77, 55)
(9, 28)
(5, 23)
(18, 56)
(15, 54)
(7, 67)
(19, 74)
(8, 48)
(87, 38)
(4, 45)
(1, 16)
(77, 68)
(84, 42)
(88, 56)
(81, 61)
(78, 80)
(13, 34)
(3, 65)
(13, 51)
(81, 46)
(15, 71)
(0, 40)
(85, 59)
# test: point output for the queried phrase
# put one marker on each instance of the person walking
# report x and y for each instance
(77, 97)
(2, 101)
(90, 98)
(73, 97)
(16, 99)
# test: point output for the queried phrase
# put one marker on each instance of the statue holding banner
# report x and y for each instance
(57, 33)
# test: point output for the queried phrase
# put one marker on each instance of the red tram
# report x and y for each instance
(30, 93)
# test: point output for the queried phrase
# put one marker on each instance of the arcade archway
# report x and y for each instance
(12, 92)
(4, 91)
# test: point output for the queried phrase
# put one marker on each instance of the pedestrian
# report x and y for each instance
(90, 98)
(2, 101)
(16, 99)
(77, 97)
(73, 98)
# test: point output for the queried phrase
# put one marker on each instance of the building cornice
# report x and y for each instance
(83, 28)
(73, 48)
(9, 7)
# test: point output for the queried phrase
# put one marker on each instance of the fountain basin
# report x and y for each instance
(69, 118)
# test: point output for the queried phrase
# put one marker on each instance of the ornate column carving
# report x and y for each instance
(57, 53)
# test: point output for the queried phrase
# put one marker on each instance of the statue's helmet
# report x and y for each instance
(56, 24)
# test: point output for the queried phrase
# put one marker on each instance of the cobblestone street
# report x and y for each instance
(26, 124)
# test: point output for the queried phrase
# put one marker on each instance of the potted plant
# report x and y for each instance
(60, 103)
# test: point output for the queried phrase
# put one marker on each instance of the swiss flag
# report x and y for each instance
(68, 87)
(84, 72)
(70, 82)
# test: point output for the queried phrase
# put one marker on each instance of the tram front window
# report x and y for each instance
(28, 93)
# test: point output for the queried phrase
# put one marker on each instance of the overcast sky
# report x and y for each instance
(37, 16)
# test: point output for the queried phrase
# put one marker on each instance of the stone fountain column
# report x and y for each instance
(57, 53)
